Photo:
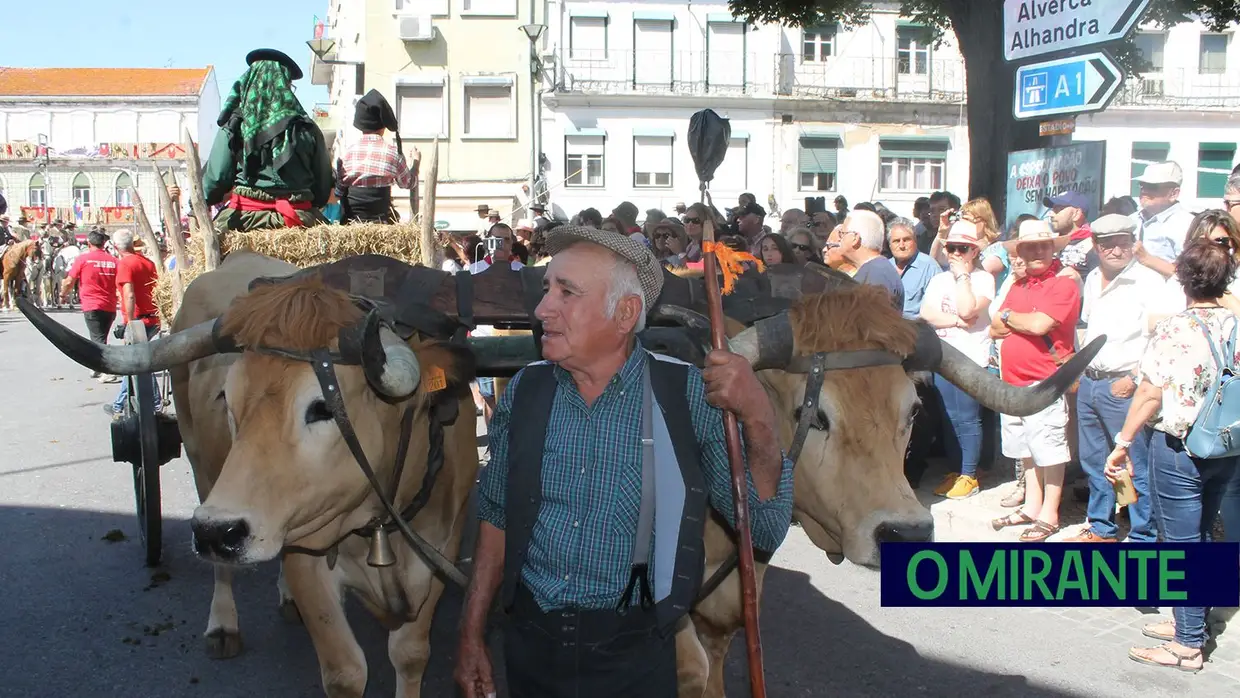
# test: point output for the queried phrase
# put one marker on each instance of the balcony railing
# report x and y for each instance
(758, 74)
(1181, 88)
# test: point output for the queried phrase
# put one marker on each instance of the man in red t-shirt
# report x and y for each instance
(94, 272)
(1037, 323)
(135, 283)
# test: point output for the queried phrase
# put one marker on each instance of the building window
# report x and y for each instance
(1213, 58)
(1146, 154)
(817, 163)
(124, 197)
(733, 173)
(37, 191)
(587, 38)
(912, 165)
(421, 111)
(913, 50)
(652, 51)
(652, 161)
(81, 191)
(489, 8)
(818, 44)
(435, 8)
(726, 44)
(490, 111)
(1213, 167)
(583, 160)
(1150, 45)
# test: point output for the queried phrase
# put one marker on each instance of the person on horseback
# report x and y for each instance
(371, 166)
(269, 164)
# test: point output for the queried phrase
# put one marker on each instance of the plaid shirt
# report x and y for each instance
(373, 162)
(581, 547)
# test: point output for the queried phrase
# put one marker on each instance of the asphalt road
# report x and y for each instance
(81, 616)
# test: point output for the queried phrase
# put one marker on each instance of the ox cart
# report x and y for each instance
(415, 299)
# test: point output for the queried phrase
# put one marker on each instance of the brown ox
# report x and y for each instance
(13, 265)
(272, 468)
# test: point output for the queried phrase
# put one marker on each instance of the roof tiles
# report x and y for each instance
(101, 82)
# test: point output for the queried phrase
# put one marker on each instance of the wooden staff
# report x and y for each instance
(740, 489)
(149, 241)
(429, 248)
(176, 240)
(198, 204)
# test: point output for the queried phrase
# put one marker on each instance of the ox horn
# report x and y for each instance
(400, 375)
(933, 354)
(178, 348)
(765, 344)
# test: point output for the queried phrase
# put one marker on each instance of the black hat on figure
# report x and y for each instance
(373, 113)
(270, 54)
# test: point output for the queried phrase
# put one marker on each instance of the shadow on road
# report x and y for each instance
(92, 620)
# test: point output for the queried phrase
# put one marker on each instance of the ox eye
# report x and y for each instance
(318, 412)
(819, 421)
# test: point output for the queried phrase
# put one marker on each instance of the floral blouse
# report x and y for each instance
(1179, 361)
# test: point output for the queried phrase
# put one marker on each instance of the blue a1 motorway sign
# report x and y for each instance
(1073, 85)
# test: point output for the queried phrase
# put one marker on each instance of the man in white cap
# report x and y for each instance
(861, 242)
(583, 554)
(1119, 295)
(1037, 321)
(1162, 222)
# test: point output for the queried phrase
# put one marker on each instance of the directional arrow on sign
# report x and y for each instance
(1038, 27)
(1072, 85)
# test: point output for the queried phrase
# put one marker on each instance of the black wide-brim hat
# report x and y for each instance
(271, 54)
(373, 112)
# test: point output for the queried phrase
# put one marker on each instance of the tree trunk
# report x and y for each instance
(993, 131)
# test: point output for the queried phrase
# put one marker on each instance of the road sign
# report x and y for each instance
(1073, 85)
(1039, 27)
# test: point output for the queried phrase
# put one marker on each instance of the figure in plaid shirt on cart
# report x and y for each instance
(371, 166)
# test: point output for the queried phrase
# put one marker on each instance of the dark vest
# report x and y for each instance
(366, 205)
(535, 393)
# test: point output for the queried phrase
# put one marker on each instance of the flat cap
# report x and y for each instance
(1113, 224)
(649, 273)
(271, 54)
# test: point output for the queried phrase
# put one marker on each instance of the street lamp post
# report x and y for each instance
(533, 32)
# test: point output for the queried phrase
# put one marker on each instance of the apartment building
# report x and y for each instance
(73, 141)
(454, 70)
(870, 113)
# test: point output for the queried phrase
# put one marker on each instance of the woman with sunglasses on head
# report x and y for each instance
(694, 217)
(804, 245)
(1219, 227)
(957, 304)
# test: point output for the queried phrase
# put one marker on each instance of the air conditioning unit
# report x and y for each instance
(415, 27)
(1152, 88)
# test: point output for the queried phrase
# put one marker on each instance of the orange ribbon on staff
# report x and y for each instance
(730, 262)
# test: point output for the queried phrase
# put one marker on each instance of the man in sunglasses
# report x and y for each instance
(1162, 221)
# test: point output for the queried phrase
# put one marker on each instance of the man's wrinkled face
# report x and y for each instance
(903, 244)
(573, 311)
(1156, 198)
(1037, 256)
(833, 251)
(1114, 252)
(750, 224)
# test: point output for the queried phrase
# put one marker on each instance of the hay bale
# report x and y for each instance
(304, 247)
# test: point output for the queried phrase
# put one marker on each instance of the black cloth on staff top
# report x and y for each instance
(373, 113)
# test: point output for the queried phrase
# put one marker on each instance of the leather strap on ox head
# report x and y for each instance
(815, 367)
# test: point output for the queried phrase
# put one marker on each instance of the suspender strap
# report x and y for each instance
(645, 518)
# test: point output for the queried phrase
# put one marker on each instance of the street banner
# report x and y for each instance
(1038, 173)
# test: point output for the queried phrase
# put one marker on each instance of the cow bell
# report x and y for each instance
(380, 554)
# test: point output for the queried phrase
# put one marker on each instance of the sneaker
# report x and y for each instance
(111, 412)
(965, 486)
(1087, 536)
(948, 481)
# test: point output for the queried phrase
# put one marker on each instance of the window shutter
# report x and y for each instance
(819, 155)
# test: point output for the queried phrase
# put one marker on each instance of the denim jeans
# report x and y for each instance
(1099, 417)
(963, 430)
(119, 403)
(1230, 509)
(1187, 493)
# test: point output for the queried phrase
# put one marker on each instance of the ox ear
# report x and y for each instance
(446, 367)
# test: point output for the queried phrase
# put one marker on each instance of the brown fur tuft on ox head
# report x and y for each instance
(296, 315)
(857, 318)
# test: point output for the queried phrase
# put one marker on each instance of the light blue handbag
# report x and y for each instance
(1216, 431)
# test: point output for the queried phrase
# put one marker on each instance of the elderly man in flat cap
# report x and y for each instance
(369, 168)
(1118, 297)
(593, 505)
(269, 164)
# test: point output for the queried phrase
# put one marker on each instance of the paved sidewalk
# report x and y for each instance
(1115, 629)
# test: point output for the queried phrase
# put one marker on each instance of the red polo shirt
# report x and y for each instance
(1026, 359)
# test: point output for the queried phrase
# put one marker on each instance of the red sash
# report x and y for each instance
(284, 206)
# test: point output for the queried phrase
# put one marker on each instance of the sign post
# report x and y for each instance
(1072, 85)
(1038, 27)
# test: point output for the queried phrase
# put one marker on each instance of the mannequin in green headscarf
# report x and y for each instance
(269, 165)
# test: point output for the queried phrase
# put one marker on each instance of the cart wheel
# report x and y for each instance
(141, 407)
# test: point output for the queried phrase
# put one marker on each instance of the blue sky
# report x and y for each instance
(151, 34)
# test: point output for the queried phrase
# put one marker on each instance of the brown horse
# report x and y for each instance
(13, 270)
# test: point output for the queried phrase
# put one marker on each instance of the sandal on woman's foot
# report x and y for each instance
(1139, 654)
(1016, 518)
(1162, 630)
(1038, 532)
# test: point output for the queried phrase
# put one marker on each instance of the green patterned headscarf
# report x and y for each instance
(261, 106)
